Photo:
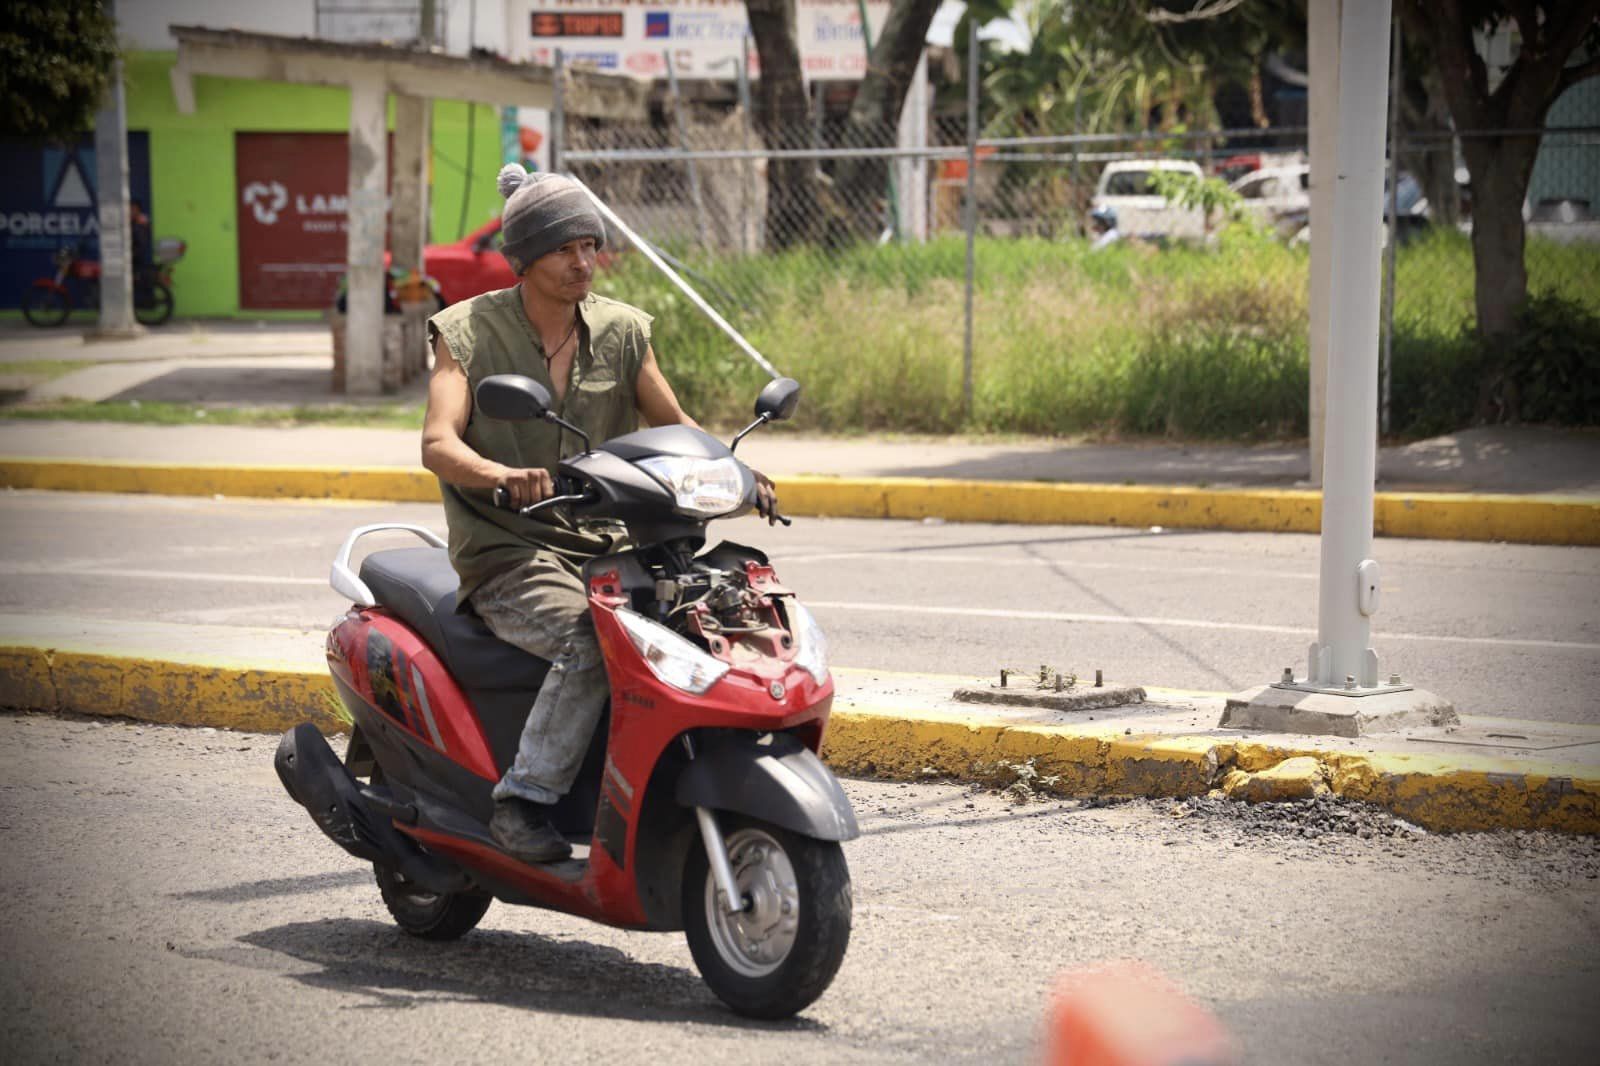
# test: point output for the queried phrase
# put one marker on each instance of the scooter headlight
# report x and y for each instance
(707, 487)
(670, 657)
(811, 652)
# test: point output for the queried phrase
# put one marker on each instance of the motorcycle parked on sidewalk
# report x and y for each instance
(50, 301)
(701, 804)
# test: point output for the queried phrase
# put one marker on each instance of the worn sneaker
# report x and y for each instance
(524, 831)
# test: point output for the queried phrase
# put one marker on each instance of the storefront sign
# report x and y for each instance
(48, 200)
(704, 36)
(291, 201)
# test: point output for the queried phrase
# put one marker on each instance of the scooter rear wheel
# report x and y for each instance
(429, 915)
(774, 958)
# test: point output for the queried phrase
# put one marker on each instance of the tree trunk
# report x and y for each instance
(782, 116)
(1500, 167)
(862, 184)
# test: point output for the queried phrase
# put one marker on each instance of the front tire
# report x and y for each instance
(776, 957)
(429, 915)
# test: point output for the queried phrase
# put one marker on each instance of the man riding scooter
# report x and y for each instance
(523, 574)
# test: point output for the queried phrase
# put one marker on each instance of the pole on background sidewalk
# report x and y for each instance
(111, 185)
(1394, 230)
(1343, 692)
(971, 220)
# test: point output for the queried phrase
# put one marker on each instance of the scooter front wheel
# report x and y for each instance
(776, 956)
(429, 915)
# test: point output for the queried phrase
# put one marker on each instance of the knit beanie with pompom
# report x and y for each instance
(543, 212)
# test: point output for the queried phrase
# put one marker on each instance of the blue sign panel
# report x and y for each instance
(48, 200)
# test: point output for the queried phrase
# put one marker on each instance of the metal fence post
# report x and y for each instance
(558, 113)
(1394, 231)
(972, 209)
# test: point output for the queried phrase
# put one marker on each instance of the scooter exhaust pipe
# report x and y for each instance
(360, 824)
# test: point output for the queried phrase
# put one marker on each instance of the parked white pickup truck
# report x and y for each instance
(1141, 211)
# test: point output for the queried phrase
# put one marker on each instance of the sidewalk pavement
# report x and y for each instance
(1484, 773)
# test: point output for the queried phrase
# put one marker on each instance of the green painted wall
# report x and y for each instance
(192, 167)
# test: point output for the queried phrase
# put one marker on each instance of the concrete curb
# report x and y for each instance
(1463, 792)
(1438, 516)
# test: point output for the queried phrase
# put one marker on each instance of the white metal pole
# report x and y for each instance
(1322, 34)
(111, 182)
(1347, 593)
(672, 275)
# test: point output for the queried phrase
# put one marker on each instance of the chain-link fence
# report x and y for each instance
(841, 252)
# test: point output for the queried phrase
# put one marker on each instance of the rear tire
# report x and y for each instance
(45, 307)
(775, 959)
(430, 915)
(153, 305)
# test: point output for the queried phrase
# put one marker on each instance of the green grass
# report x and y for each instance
(394, 416)
(1205, 343)
(1183, 342)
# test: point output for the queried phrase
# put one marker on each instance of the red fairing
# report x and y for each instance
(390, 667)
(647, 715)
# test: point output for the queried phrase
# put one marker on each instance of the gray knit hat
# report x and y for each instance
(543, 212)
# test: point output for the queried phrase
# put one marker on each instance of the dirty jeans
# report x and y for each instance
(541, 607)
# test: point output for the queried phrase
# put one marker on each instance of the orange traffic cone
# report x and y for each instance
(1129, 1014)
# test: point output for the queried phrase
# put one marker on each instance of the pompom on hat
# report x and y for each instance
(542, 212)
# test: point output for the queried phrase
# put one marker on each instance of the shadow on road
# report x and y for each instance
(250, 891)
(525, 971)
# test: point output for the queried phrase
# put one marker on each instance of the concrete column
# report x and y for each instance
(1322, 30)
(408, 221)
(369, 165)
(1344, 604)
(111, 195)
(913, 173)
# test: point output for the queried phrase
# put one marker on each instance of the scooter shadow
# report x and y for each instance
(521, 970)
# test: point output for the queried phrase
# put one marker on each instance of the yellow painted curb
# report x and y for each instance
(1437, 792)
(1440, 516)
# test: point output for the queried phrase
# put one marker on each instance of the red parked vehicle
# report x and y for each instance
(469, 266)
(702, 804)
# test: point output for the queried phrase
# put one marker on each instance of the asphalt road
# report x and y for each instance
(167, 903)
(1500, 629)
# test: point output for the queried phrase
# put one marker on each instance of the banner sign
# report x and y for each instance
(49, 199)
(290, 197)
(704, 36)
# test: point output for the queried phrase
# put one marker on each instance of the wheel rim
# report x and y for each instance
(757, 940)
(417, 897)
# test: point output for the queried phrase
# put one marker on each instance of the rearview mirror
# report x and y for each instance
(512, 398)
(778, 400)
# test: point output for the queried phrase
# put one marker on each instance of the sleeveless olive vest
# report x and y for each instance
(491, 334)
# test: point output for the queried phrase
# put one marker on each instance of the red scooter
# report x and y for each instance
(702, 804)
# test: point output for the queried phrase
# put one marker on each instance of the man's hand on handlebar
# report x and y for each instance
(524, 488)
(767, 499)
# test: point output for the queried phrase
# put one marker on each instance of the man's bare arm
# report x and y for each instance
(655, 399)
(447, 454)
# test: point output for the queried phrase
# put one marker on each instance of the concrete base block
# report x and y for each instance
(1267, 709)
(1077, 698)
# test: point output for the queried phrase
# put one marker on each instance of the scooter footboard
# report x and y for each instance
(315, 778)
(774, 777)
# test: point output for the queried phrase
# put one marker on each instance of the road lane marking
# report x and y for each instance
(1073, 564)
(157, 575)
(1178, 623)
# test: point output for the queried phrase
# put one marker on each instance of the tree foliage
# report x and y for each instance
(55, 61)
(1110, 65)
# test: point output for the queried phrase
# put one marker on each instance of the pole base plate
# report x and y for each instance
(1317, 711)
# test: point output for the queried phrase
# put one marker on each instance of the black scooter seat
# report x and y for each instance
(419, 586)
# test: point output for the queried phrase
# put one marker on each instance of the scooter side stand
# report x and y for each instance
(733, 901)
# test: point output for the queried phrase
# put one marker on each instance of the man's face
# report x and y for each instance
(566, 274)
